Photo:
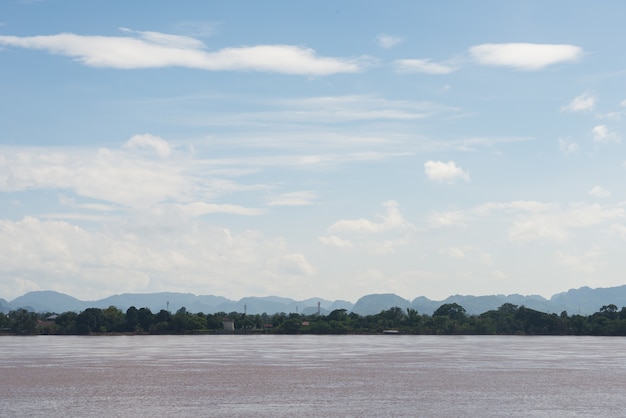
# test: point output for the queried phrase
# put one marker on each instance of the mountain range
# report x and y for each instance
(584, 301)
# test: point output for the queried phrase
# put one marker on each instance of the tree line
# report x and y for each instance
(448, 319)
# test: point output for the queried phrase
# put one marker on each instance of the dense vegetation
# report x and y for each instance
(448, 319)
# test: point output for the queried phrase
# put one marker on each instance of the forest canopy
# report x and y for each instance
(448, 319)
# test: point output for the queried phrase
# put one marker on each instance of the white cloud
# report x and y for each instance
(601, 133)
(558, 225)
(473, 143)
(201, 29)
(157, 251)
(532, 220)
(450, 218)
(537, 228)
(444, 172)
(156, 50)
(374, 237)
(333, 109)
(120, 177)
(453, 252)
(587, 262)
(161, 146)
(468, 253)
(531, 206)
(302, 198)
(618, 229)
(165, 39)
(392, 220)
(599, 191)
(335, 241)
(388, 41)
(101, 174)
(585, 102)
(525, 56)
(202, 208)
(567, 146)
(421, 66)
(291, 265)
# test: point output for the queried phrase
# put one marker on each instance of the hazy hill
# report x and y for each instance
(475, 305)
(5, 307)
(157, 301)
(584, 301)
(587, 300)
(49, 301)
(373, 304)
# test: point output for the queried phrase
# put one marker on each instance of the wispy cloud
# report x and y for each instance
(196, 28)
(387, 41)
(525, 56)
(587, 262)
(448, 219)
(425, 66)
(567, 146)
(159, 145)
(599, 191)
(203, 208)
(301, 198)
(381, 237)
(530, 221)
(602, 133)
(449, 172)
(392, 219)
(585, 102)
(557, 225)
(335, 241)
(156, 50)
(122, 176)
(469, 253)
(159, 249)
(329, 109)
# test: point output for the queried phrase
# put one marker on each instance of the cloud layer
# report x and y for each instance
(157, 50)
(525, 56)
(449, 172)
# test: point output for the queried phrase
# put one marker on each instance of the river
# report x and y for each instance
(312, 376)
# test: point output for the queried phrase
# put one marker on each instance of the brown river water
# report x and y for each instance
(312, 376)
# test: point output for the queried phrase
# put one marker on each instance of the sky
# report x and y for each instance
(327, 149)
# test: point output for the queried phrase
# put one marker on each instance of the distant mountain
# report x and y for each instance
(341, 304)
(272, 304)
(5, 307)
(164, 300)
(373, 304)
(475, 305)
(584, 301)
(49, 301)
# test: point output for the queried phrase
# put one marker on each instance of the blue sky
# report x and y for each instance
(324, 149)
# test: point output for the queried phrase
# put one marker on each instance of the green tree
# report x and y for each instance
(451, 310)
(609, 311)
(90, 320)
(214, 321)
(132, 319)
(337, 315)
(412, 317)
(23, 321)
(113, 320)
(146, 318)
(66, 322)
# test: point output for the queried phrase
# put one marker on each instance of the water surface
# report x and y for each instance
(312, 376)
